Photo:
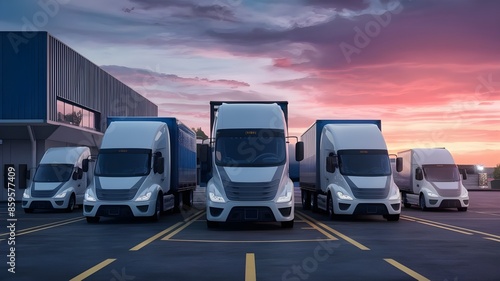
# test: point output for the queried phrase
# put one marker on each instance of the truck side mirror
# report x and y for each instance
(399, 164)
(159, 165)
(464, 174)
(331, 163)
(85, 165)
(419, 175)
(299, 151)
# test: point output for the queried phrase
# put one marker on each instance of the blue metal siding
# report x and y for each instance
(23, 75)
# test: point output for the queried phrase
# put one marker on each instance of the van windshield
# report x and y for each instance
(53, 173)
(123, 162)
(364, 163)
(441, 173)
(250, 147)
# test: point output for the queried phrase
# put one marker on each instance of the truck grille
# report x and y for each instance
(116, 194)
(255, 191)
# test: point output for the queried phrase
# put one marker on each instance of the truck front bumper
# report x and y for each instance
(367, 207)
(119, 208)
(243, 211)
(46, 203)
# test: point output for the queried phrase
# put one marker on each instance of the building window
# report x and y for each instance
(75, 115)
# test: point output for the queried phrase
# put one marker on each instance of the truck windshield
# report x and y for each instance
(250, 147)
(53, 173)
(364, 163)
(441, 173)
(123, 162)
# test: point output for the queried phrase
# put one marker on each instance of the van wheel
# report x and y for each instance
(287, 224)
(156, 216)
(329, 207)
(71, 204)
(93, 219)
(421, 202)
(306, 200)
(28, 210)
(462, 209)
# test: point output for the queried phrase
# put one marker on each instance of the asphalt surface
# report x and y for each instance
(433, 245)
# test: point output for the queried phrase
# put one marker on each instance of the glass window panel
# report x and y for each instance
(60, 111)
(68, 113)
(77, 116)
(85, 119)
(92, 120)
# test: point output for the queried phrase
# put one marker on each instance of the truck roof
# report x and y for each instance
(428, 156)
(355, 136)
(131, 134)
(257, 115)
(65, 155)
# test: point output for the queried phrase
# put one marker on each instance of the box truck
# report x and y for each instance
(145, 165)
(346, 170)
(60, 180)
(429, 178)
(250, 178)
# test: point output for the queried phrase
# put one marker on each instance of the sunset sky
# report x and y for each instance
(430, 70)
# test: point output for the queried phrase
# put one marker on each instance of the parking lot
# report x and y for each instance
(432, 245)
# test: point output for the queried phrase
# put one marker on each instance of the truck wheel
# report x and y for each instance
(461, 209)
(28, 210)
(287, 224)
(306, 200)
(71, 204)
(187, 198)
(421, 202)
(212, 224)
(93, 219)
(405, 201)
(314, 202)
(156, 216)
(329, 207)
(177, 202)
(392, 217)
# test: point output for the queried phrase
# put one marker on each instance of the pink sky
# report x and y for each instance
(430, 70)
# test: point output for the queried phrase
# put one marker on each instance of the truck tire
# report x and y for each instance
(287, 224)
(93, 219)
(329, 207)
(158, 208)
(314, 202)
(405, 201)
(421, 202)
(306, 200)
(187, 198)
(71, 204)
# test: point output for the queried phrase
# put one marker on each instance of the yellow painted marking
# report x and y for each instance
(247, 241)
(485, 213)
(313, 225)
(406, 270)
(154, 237)
(492, 239)
(456, 227)
(92, 270)
(342, 236)
(307, 228)
(250, 274)
(407, 219)
(186, 224)
(444, 227)
(45, 226)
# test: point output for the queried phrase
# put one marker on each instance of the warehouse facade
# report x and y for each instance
(52, 96)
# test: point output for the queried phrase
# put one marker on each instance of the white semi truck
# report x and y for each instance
(429, 178)
(346, 170)
(60, 180)
(250, 179)
(145, 165)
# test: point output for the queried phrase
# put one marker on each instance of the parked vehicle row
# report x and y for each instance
(148, 165)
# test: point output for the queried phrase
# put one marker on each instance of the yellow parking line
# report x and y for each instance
(45, 226)
(250, 273)
(406, 270)
(154, 237)
(313, 225)
(444, 227)
(92, 270)
(249, 241)
(186, 224)
(492, 239)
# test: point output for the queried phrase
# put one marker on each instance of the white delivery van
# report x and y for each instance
(429, 178)
(60, 180)
(346, 170)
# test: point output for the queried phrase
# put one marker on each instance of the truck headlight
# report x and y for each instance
(394, 195)
(464, 192)
(144, 197)
(89, 195)
(286, 195)
(214, 194)
(343, 195)
(61, 195)
(26, 194)
(432, 194)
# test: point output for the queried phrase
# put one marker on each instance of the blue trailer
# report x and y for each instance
(145, 165)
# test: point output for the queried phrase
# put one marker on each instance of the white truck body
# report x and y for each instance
(59, 181)
(250, 179)
(439, 184)
(346, 170)
(134, 173)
